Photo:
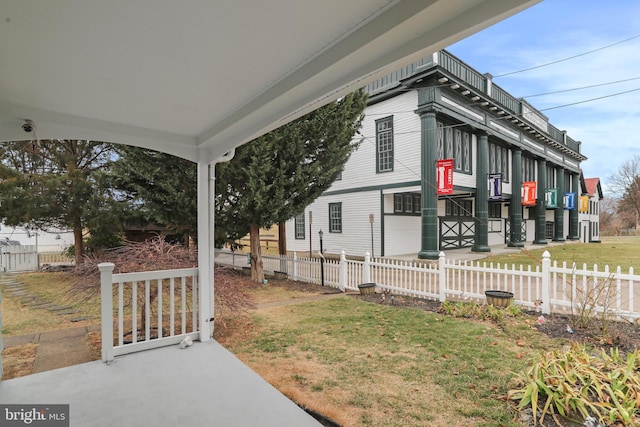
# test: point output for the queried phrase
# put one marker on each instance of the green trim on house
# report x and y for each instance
(380, 187)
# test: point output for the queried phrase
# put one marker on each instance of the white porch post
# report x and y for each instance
(205, 252)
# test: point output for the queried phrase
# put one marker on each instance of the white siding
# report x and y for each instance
(360, 170)
(355, 238)
(402, 235)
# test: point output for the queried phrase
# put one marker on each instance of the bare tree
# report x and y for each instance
(625, 186)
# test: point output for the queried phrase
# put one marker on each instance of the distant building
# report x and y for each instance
(589, 210)
(448, 160)
(46, 241)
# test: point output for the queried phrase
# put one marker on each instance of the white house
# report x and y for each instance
(447, 159)
(589, 210)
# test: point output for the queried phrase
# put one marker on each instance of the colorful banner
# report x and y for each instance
(495, 187)
(570, 201)
(444, 176)
(529, 193)
(551, 198)
(584, 204)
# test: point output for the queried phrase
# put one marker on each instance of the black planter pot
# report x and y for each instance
(499, 298)
(367, 288)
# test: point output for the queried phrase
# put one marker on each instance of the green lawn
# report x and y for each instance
(613, 251)
(366, 364)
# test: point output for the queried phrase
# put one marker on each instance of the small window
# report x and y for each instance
(417, 204)
(407, 204)
(300, 226)
(335, 217)
(398, 203)
(456, 207)
(495, 210)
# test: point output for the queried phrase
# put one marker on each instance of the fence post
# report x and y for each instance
(106, 303)
(545, 305)
(295, 266)
(343, 270)
(366, 268)
(442, 276)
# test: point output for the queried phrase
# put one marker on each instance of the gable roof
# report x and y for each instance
(593, 188)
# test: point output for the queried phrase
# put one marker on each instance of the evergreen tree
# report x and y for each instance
(53, 183)
(158, 188)
(274, 177)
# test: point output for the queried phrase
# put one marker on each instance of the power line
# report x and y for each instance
(590, 100)
(581, 88)
(566, 59)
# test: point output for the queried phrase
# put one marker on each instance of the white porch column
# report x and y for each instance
(205, 252)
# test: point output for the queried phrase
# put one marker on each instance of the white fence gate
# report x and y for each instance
(18, 258)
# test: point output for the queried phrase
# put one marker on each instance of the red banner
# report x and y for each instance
(529, 193)
(444, 172)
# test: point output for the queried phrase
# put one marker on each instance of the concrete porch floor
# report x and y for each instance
(201, 385)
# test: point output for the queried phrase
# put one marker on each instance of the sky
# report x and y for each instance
(554, 31)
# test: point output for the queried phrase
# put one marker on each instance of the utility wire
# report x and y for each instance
(581, 88)
(566, 59)
(590, 100)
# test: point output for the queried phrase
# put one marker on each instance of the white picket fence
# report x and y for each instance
(152, 309)
(545, 288)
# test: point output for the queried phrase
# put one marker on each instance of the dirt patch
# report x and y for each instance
(18, 361)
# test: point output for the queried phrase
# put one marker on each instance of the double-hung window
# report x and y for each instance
(384, 144)
(299, 226)
(335, 217)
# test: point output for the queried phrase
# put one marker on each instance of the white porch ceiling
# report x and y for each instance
(196, 78)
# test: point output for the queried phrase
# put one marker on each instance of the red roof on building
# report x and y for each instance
(593, 187)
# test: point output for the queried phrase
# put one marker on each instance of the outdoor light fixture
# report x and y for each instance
(484, 103)
(443, 80)
(475, 98)
(465, 92)
(455, 86)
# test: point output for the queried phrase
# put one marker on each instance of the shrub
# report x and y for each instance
(577, 384)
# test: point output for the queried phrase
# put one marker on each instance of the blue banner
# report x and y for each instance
(570, 201)
(495, 187)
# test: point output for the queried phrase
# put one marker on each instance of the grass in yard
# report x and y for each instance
(613, 251)
(364, 364)
(21, 319)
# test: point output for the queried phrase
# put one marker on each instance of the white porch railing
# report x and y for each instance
(152, 309)
(548, 287)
